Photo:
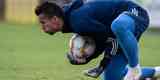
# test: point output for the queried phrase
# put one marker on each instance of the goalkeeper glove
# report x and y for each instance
(133, 73)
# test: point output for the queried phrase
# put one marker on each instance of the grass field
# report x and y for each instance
(28, 54)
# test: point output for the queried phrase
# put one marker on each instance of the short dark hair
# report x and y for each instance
(49, 9)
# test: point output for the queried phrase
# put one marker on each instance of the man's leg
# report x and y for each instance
(123, 27)
(114, 70)
(117, 69)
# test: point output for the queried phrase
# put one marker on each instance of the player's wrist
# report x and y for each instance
(133, 73)
(136, 69)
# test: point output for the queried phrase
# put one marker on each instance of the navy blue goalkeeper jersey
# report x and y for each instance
(94, 18)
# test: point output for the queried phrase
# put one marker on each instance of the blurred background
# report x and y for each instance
(26, 53)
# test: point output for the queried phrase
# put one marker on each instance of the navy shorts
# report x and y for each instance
(141, 18)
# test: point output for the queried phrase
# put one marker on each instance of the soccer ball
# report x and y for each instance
(81, 47)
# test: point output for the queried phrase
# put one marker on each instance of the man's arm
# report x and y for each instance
(74, 4)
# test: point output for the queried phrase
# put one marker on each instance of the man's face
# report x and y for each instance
(50, 25)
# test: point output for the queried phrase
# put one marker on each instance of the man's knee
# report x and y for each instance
(121, 23)
(113, 75)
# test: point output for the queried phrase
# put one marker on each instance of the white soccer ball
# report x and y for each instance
(81, 46)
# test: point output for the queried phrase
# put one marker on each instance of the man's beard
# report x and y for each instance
(50, 33)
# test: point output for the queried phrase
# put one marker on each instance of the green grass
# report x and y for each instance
(28, 54)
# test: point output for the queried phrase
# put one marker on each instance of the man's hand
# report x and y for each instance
(133, 73)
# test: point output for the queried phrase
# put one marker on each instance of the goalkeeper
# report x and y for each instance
(121, 20)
